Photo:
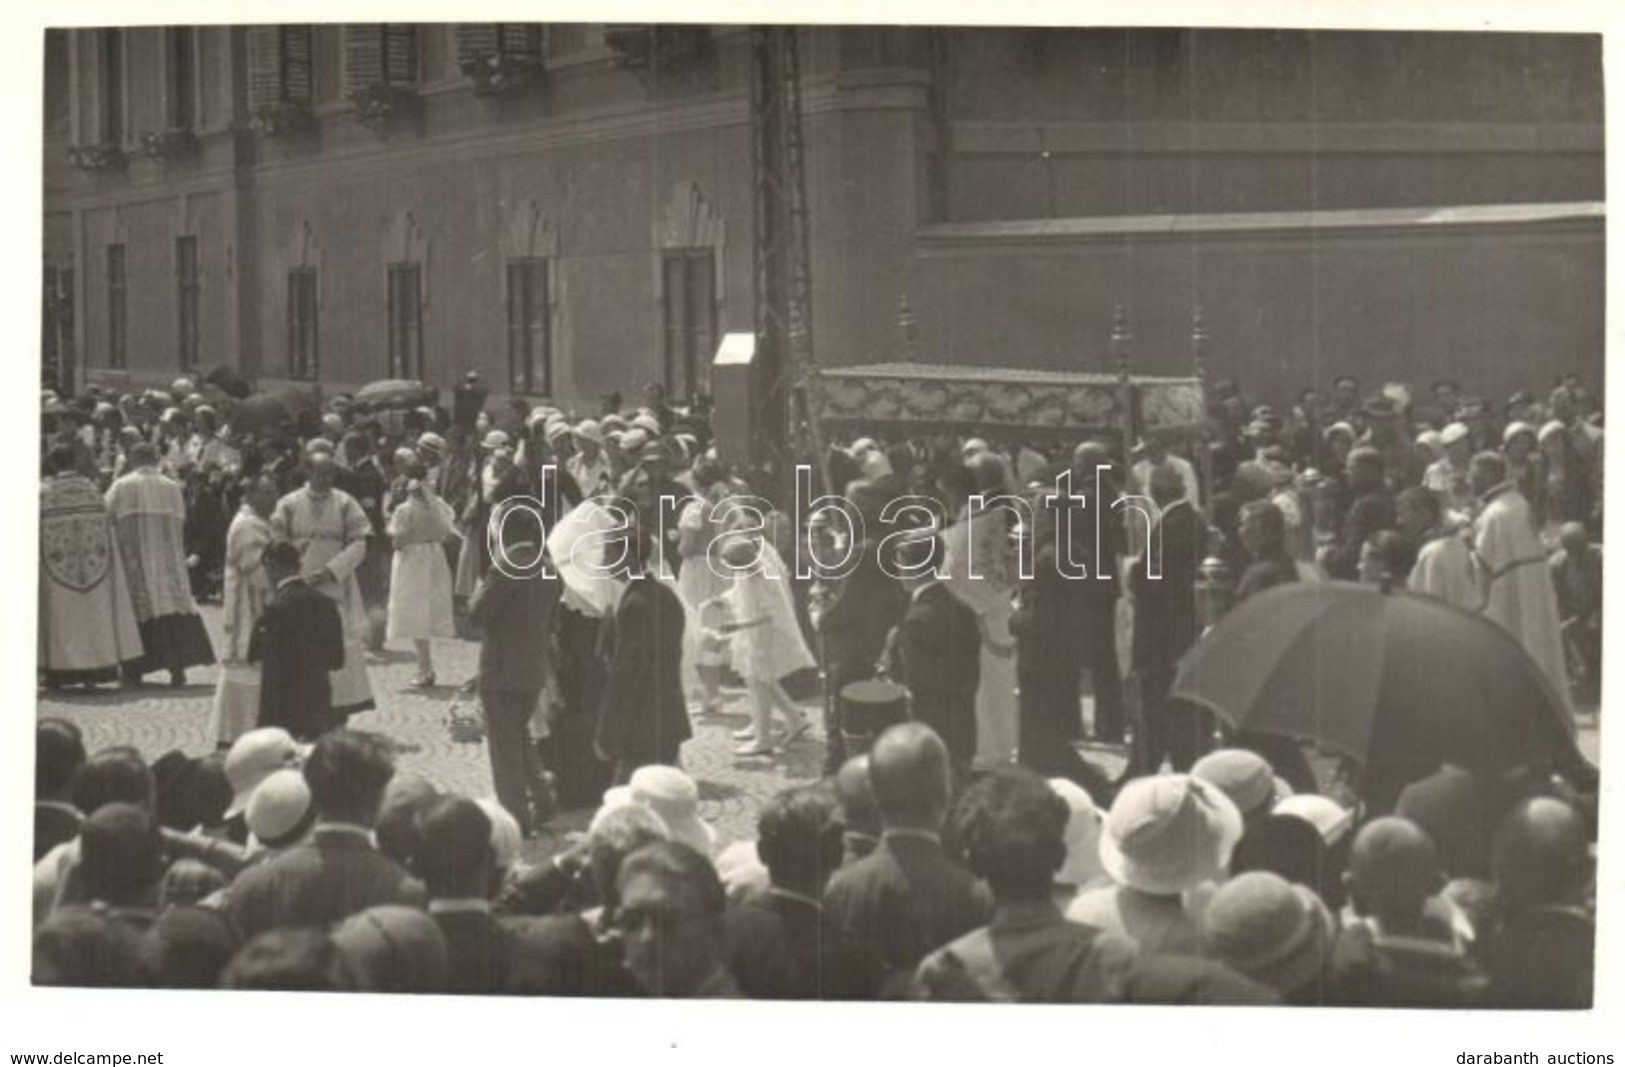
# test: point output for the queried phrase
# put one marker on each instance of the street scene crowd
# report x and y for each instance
(1339, 649)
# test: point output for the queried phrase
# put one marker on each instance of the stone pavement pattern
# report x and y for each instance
(156, 719)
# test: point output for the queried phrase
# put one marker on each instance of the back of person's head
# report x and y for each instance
(1011, 827)
(615, 835)
(798, 837)
(1287, 846)
(856, 795)
(59, 752)
(281, 557)
(1541, 855)
(115, 775)
(120, 855)
(1450, 807)
(188, 881)
(192, 792)
(60, 459)
(1393, 869)
(1166, 484)
(286, 960)
(396, 829)
(84, 946)
(682, 867)
(347, 772)
(909, 774)
(188, 947)
(454, 848)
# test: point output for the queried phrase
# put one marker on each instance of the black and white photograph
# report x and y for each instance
(912, 511)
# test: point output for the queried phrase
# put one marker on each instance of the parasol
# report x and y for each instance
(1394, 680)
(393, 393)
(274, 410)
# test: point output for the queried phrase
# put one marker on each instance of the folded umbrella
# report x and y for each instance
(1397, 681)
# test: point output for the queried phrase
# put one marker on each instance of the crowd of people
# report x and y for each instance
(963, 843)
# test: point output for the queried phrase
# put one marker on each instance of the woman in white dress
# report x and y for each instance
(698, 581)
(982, 571)
(420, 604)
(767, 642)
(237, 694)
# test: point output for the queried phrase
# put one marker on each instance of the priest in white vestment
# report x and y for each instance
(330, 530)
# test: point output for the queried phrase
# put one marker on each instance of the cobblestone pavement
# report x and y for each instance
(156, 719)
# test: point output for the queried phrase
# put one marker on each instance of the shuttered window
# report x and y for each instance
(480, 40)
(304, 357)
(187, 292)
(405, 320)
(280, 66)
(117, 309)
(112, 87)
(530, 356)
(380, 54)
(691, 317)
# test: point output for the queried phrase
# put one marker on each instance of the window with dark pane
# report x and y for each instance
(689, 277)
(304, 358)
(186, 300)
(530, 358)
(477, 41)
(405, 320)
(112, 79)
(57, 92)
(181, 84)
(117, 309)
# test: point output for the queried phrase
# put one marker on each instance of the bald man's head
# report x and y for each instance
(1167, 484)
(857, 797)
(908, 772)
(1393, 869)
(1088, 457)
(1542, 854)
(320, 470)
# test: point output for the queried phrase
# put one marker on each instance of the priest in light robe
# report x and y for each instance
(149, 515)
(330, 530)
(237, 695)
(87, 624)
(1517, 582)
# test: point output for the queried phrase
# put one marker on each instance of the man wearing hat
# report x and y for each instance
(1165, 838)
(1386, 432)
(589, 466)
(1447, 475)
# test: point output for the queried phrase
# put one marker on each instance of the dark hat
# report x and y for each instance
(1270, 930)
(1380, 407)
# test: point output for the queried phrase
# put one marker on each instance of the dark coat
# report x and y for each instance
(867, 604)
(643, 717)
(516, 615)
(1369, 513)
(54, 824)
(1165, 622)
(891, 908)
(939, 649)
(479, 951)
(323, 881)
(298, 641)
(781, 947)
(1265, 574)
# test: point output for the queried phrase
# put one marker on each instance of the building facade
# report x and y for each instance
(567, 208)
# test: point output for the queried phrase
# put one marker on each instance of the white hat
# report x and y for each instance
(974, 446)
(494, 440)
(253, 757)
(648, 423)
(1083, 824)
(1456, 431)
(1168, 834)
(279, 807)
(1551, 429)
(506, 837)
(1515, 428)
(1326, 815)
(1245, 776)
(589, 430)
(673, 796)
(862, 445)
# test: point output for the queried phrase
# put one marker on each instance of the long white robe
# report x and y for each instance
(331, 532)
(149, 513)
(1521, 597)
(86, 618)
(420, 580)
(1445, 569)
(237, 695)
(981, 570)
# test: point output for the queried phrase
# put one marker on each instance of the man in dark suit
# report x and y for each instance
(867, 604)
(643, 718)
(59, 752)
(1165, 625)
(513, 606)
(779, 943)
(338, 872)
(937, 650)
(365, 478)
(1096, 533)
(458, 866)
(1372, 509)
(298, 641)
(907, 897)
(1047, 667)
